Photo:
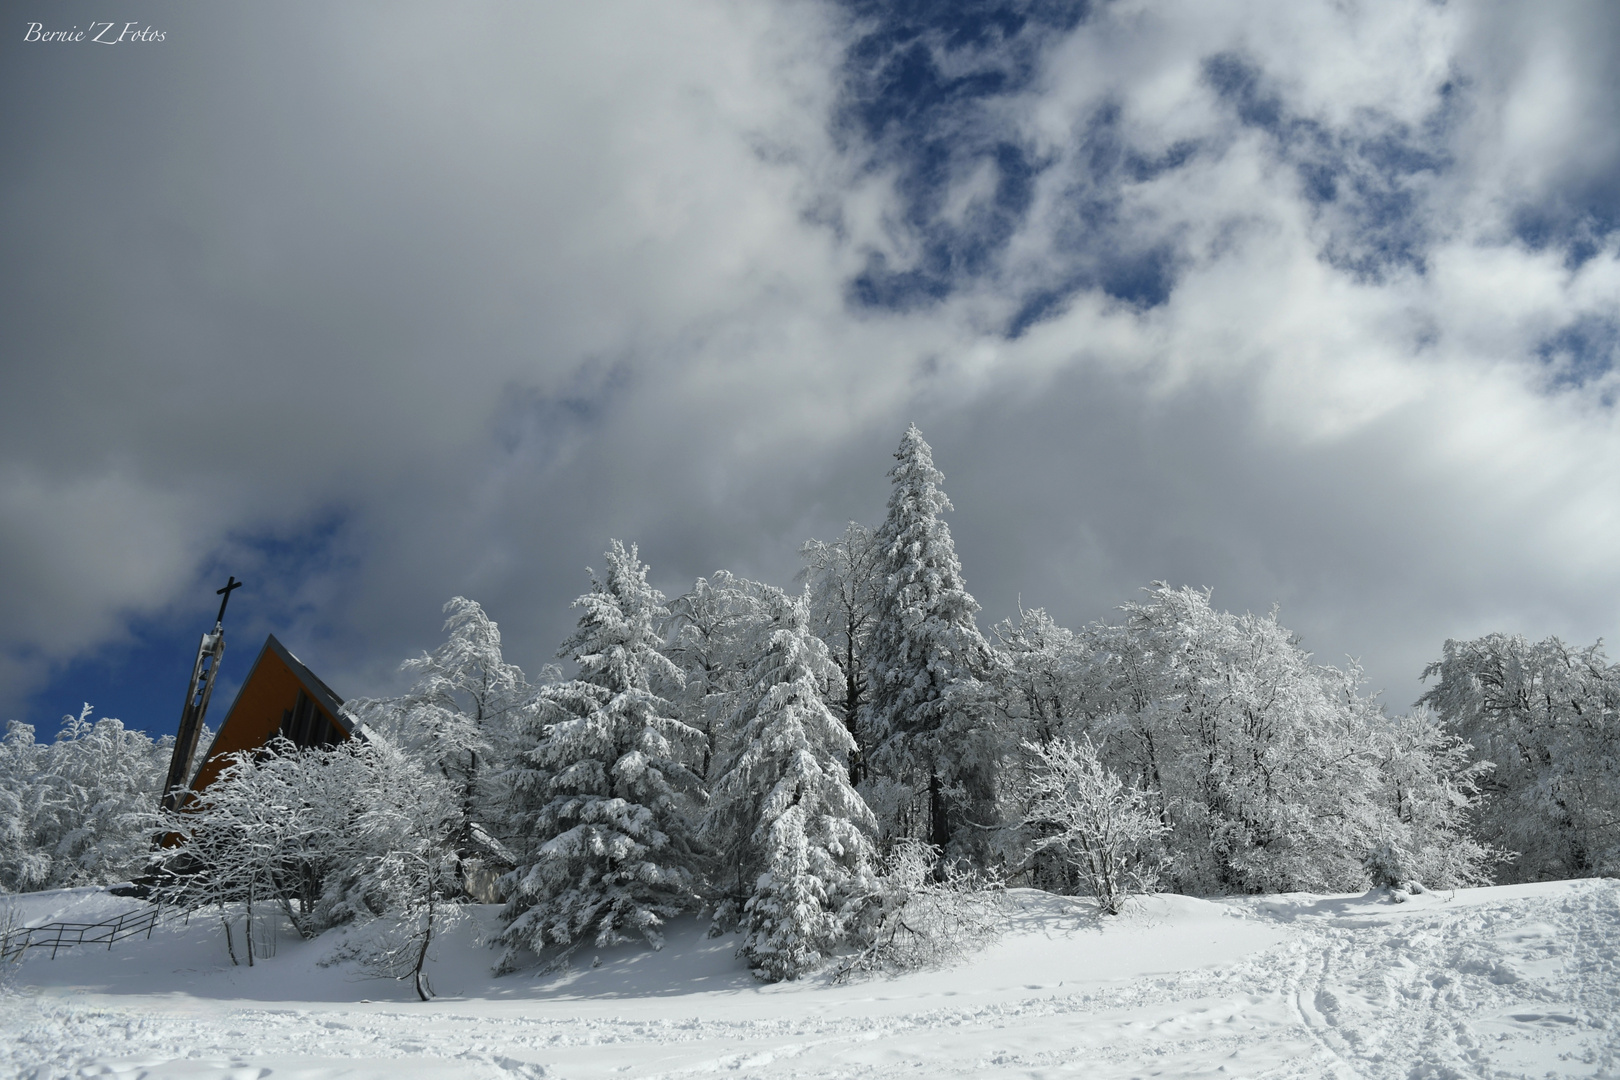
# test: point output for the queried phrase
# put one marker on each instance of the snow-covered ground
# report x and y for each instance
(1512, 981)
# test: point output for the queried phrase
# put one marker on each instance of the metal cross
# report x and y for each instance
(226, 593)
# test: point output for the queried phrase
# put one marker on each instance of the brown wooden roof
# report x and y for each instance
(270, 693)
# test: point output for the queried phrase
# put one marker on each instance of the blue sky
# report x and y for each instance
(1312, 304)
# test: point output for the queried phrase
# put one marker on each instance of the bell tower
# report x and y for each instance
(210, 651)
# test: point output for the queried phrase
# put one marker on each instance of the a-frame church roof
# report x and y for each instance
(280, 696)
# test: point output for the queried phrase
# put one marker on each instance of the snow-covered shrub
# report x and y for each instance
(609, 783)
(1108, 832)
(1386, 868)
(80, 810)
(789, 831)
(921, 912)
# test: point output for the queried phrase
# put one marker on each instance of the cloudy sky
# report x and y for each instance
(1315, 304)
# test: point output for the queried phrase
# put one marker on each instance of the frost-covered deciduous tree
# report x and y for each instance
(408, 870)
(927, 709)
(364, 831)
(79, 810)
(610, 781)
(1265, 762)
(1108, 832)
(1431, 790)
(1042, 671)
(843, 582)
(790, 832)
(711, 630)
(23, 864)
(1547, 716)
(247, 839)
(1271, 772)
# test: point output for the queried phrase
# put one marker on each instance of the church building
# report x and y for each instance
(280, 696)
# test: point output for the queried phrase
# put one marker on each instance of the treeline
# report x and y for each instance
(807, 763)
(80, 810)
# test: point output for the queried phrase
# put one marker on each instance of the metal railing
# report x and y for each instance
(64, 935)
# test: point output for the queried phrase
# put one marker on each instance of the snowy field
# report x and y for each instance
(1500, 982)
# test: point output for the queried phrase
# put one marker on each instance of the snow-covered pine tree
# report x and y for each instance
(926, 660)
(843, 581)
(790, 831)
(611, 781)
(462, 713)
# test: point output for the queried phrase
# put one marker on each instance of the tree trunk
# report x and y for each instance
(939, 826)
(423, 990)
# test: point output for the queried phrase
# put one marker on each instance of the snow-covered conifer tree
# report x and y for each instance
(926, 659)
(790, 831)
(462, 713)
(610, 779)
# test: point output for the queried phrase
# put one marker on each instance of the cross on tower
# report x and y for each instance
(226, 593)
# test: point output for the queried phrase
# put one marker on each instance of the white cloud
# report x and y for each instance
(493, 285)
